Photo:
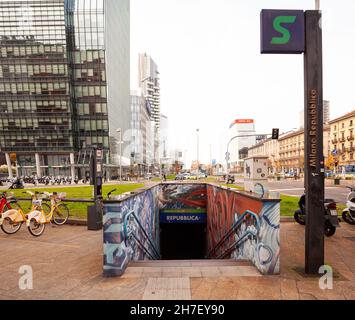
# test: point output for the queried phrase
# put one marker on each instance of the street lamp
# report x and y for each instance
(317, 5)
(120, 143)
(198, 162)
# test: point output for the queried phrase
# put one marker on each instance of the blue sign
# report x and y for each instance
(182, 217)
(334, 152)
(282, 31)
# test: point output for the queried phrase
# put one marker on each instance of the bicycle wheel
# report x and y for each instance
(61, 214)
(46, 209)
(35, 228)
(9, 227)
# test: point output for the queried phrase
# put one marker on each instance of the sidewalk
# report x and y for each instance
(67, 264)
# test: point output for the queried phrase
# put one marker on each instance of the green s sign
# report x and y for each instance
(279, 28)
(282, 31)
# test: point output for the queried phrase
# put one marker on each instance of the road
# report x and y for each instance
(296, 188)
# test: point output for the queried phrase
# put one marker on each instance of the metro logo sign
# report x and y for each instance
(282, 31)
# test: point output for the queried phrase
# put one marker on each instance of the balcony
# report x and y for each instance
(334, 141)
(342, 139)
(350, 138)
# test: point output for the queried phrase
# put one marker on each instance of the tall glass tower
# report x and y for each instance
(54, 90)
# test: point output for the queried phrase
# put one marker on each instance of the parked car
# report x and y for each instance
(180, 176)
(202, 175)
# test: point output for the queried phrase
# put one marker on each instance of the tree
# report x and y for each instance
(330, 162)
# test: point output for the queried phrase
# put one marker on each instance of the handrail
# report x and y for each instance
(233, 229)
(237, 243)
(156, 254)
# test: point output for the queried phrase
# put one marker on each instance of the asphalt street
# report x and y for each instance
(296, 188)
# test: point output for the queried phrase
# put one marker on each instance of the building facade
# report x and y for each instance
(245, 129)
(149, 82)
(142, 144)
(341, 142)
(57, 99)
(286, 155)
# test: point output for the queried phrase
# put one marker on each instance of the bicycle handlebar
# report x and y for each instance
(111, 192)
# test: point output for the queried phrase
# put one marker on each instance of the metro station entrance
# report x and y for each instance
(182, 241)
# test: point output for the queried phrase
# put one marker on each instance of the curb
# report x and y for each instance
(287, 219)
(77, 222)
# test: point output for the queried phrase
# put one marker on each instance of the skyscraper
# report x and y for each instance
(148, 81)
(141, 145)
(64, 81)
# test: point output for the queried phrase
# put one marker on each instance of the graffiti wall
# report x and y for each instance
(136, 217)
(182, 203)
(257, 222)
(131, 226)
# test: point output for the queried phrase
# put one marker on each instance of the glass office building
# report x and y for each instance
(54, 89)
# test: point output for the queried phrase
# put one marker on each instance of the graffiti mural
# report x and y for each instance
(257, 223)
(131, 226)
(182, 196)
(182, 203)
(130, 231)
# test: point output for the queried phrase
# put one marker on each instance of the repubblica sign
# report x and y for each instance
(282, 31)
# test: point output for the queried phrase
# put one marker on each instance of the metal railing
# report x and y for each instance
(249, 232)
(130, 233)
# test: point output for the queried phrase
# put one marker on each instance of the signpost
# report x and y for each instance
(295, 31)
(96, 175)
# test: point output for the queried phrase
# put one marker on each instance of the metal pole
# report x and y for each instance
(317, 5)
(120, 156)
(313, 131)
(198, 163)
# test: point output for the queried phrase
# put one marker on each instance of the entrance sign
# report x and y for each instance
(313, 133)
(293, 31)
(282, 31)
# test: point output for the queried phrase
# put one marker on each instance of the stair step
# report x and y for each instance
(190, 268)
(189, 263)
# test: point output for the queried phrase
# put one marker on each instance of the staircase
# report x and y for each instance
(190, 268)
(181, 279)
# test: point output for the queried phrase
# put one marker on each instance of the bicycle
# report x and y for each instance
(38, 219)
(6, 202)
(12, 219)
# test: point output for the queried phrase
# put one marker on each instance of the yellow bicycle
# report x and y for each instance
(59, 213)
(12, 219)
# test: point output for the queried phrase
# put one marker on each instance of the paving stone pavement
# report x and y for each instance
(67, 265)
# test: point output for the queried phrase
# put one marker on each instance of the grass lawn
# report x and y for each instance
(289, 204)
(77, 210)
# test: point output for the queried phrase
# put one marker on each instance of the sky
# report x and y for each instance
(212, 72)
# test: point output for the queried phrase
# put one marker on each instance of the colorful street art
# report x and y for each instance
(131, 226)
(119, 221)
(257, 237)
(182, 196)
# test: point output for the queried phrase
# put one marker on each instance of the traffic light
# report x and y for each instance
(275, 134)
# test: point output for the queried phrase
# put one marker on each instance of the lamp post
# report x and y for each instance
(120, 143)
(317, 4)
(198, 142)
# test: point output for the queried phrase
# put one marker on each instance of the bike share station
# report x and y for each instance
(95, 212)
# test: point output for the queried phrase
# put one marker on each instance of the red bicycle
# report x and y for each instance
(6, 203)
